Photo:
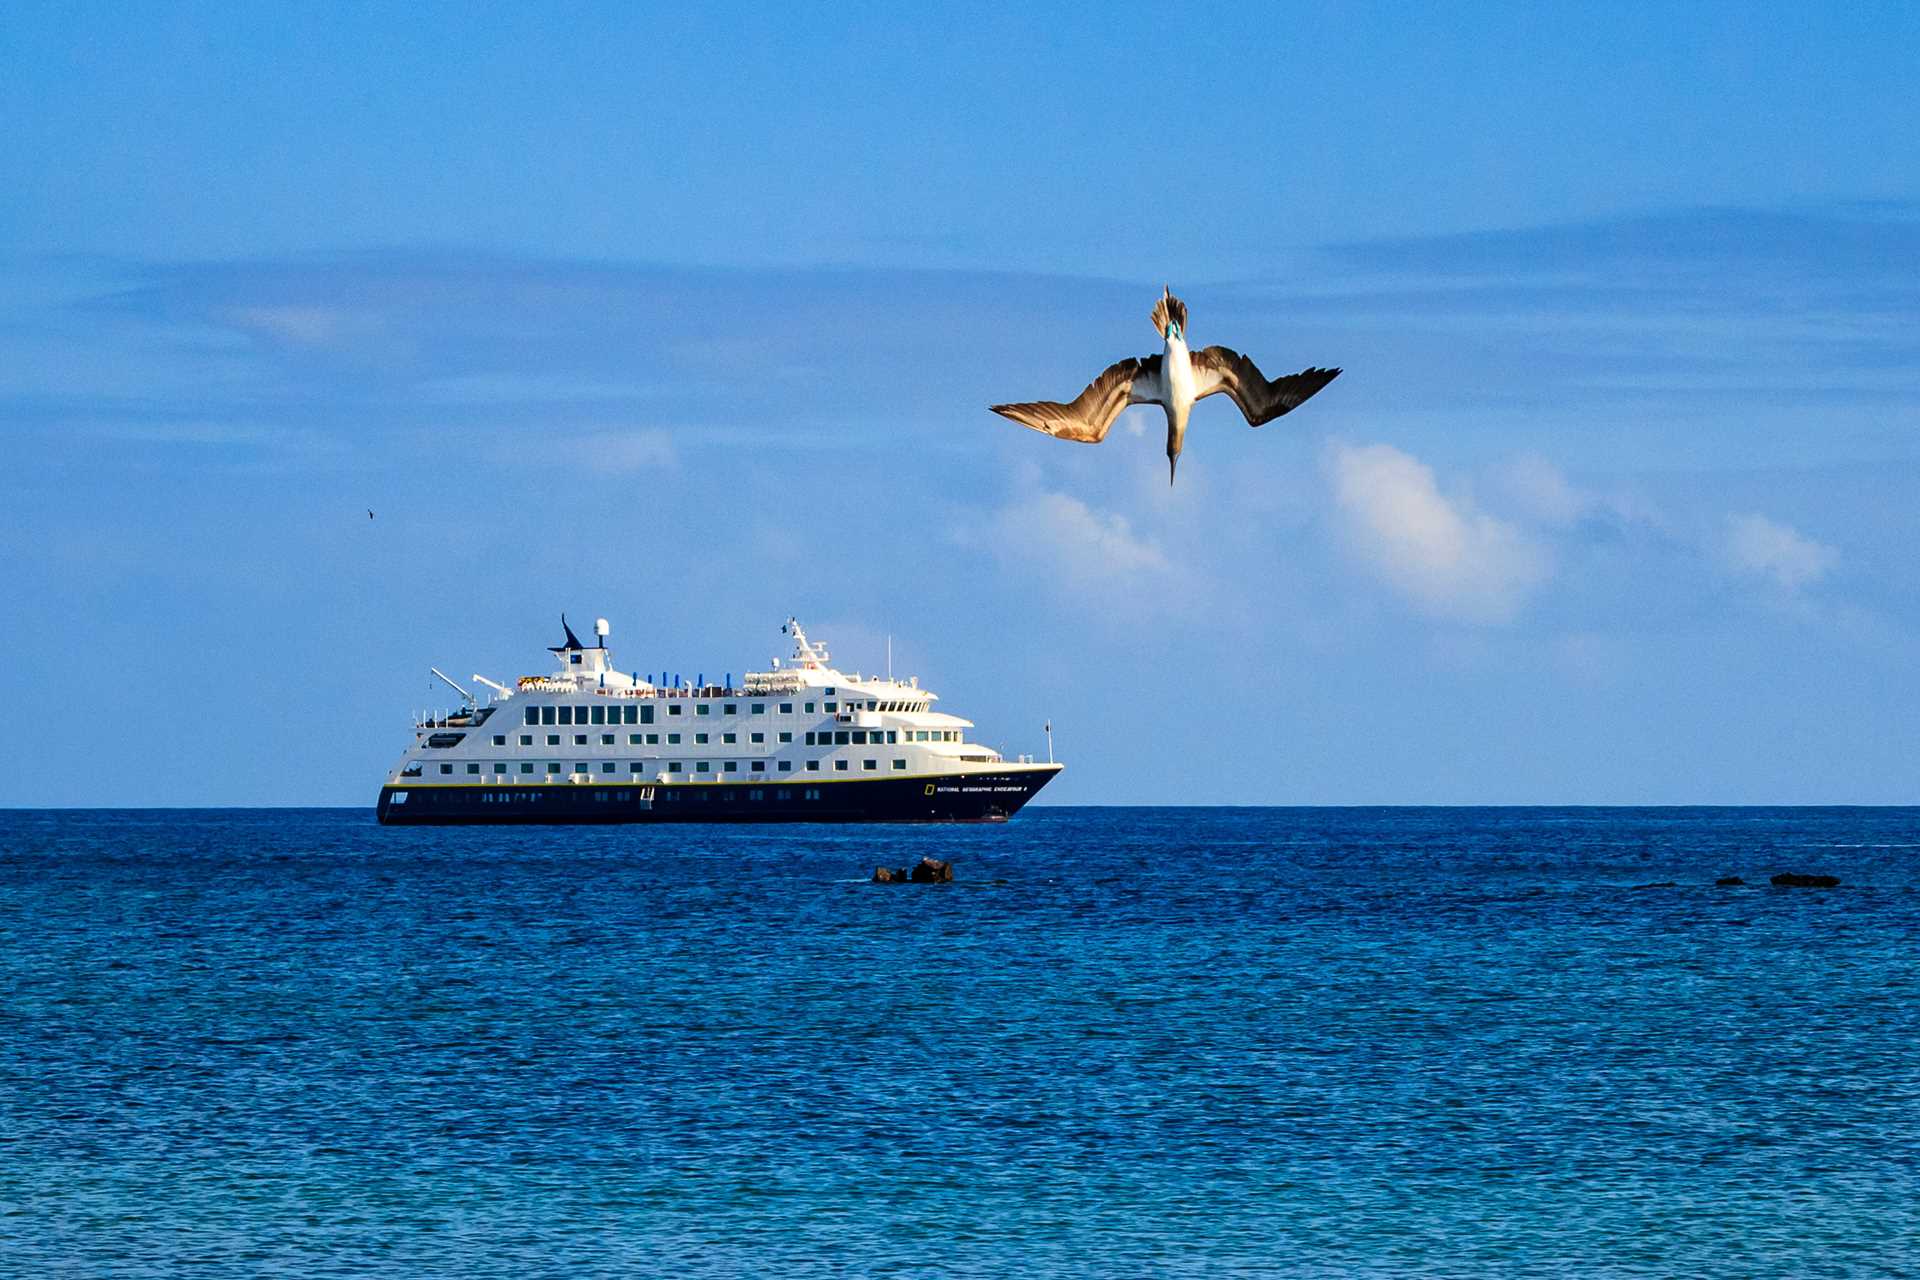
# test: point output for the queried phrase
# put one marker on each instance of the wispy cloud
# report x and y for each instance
(1758, 547)
(1440, 552)
(1072, 542)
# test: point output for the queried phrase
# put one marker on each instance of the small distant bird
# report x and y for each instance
(1174, 379)
(369, 513)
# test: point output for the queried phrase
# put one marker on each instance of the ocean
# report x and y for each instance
(1125, 1042)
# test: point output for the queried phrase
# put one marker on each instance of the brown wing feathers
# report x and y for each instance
(1260, 401)
(1092, 412)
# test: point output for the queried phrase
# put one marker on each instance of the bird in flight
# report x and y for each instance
(1174, 379)
(369, 513)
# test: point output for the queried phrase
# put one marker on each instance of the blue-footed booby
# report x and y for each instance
(1174, 379)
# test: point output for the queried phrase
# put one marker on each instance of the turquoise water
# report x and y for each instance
(1126, 1042)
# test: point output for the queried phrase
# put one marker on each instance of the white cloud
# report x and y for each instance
(1444, 554)
(1540, 491)
(1763, 548)
(622, 451)
(1071, 537)
(300, 326)
(612, 451)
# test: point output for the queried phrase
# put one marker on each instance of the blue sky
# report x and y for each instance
(689, 319)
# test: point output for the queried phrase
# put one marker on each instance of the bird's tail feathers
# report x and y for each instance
(1167, 307)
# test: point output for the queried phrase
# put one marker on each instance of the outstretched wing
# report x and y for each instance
(1088, 418)
(1217, 369)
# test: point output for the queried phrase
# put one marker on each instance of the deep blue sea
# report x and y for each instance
(1126, 1042)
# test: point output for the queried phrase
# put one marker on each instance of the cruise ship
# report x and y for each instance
(803, 742)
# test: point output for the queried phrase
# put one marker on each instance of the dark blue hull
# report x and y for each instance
(970, 797)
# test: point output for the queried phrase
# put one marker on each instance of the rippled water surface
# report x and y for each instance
(1125, 1042)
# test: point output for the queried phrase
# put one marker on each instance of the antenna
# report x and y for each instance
(889, 659)
(1049, 742)
(464, 695)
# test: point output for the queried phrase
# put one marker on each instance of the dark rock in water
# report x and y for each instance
(932, 871)
(1729, 880)
(1659, 884)
(887, 875)
(1795, 880)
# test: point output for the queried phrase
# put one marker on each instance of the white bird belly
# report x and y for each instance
(1176, 370)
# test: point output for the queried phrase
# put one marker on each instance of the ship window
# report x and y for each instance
(899, 763)
(527, 767)
(583, 767)
(783, 794)
(757, 737)
(500, 766)
(552, 767)
(566, 715)
(786, 766)
(673, 739)
(869, 765)
(446, 768)
(809, 739)
(704, 709)
(653, 739)
(759, 766)
(636, 767)
(840, 765)
(786, 708)
(829, 693)
(809, 708)
(608, 767)
(860, 737)
(732, 708)
(441, 741)
(673, 766)
(673, 708)
(786, 737)
(547, 713)
(646, 716)
(733, 766)
(831, 707)
(729, 737)
(812, 793)
(840, 737)
(872, 705)
(813, 766)
(473, 768)
(704, 766)
(893, 737)
(499, 739)
(597, 714)
(756, 794)
(553, 739)
(526, 739)
(633, 739)
(630, 714)
(574, 658)
(701, 737)
(579, 739)
(533, 715)
(759, 708)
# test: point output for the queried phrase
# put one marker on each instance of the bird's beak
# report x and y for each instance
(1173, 460)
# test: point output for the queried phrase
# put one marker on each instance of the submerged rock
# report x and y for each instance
(1729, 880)
(932, 871)
(888, 875)
(1796, 880)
